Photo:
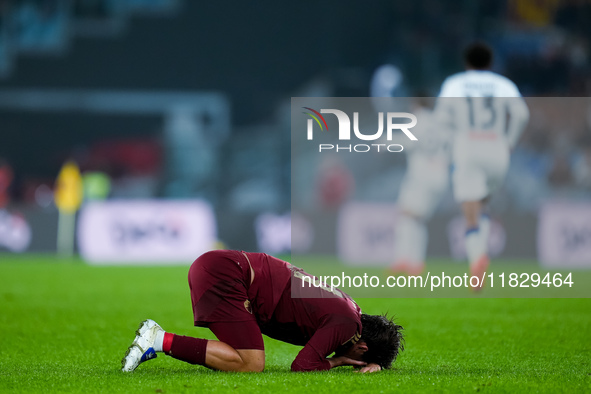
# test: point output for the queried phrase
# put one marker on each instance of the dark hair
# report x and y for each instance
(478, 55)
(384, 339)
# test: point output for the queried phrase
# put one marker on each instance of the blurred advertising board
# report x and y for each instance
(365, 233)
(273, 232)
(564, 234)
(145, 231)
(283, 233)
(15, 232)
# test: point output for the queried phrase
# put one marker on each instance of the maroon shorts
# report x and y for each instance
(219, 282)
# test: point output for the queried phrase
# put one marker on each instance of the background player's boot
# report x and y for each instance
(478, 269)
(142, 348)
(407, 267)
(479, 266)
(415, 268)
(398, 268)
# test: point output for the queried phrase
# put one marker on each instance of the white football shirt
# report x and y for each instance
(483, 105)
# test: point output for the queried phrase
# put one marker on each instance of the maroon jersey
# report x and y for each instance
(313, 317)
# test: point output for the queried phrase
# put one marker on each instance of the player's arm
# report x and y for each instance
(313, 357)
(518, 118)
(443, 112)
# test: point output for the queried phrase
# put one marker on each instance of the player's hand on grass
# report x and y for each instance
(342, 360)
(369, 368)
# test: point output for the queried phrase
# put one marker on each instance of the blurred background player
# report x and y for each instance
(424, 184)
(427, 172)
(487, 114)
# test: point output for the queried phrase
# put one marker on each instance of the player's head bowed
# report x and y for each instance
(384, 339)
(478, 55)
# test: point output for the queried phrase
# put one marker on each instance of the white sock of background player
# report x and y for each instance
(411, 240)
(477, 240)
(484, 225)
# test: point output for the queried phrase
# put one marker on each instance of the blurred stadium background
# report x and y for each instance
(169, 100)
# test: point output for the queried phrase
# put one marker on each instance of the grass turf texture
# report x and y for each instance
(64, 326)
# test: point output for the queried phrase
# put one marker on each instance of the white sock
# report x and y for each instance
(159, 341)
(484, 225)
(473, 243)
(411, 240)
(422, 237)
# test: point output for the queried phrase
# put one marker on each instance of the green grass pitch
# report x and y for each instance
(64, 327)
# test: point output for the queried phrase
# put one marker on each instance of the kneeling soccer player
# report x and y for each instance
(240, 296)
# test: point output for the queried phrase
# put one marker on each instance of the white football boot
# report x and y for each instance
(142, 348)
